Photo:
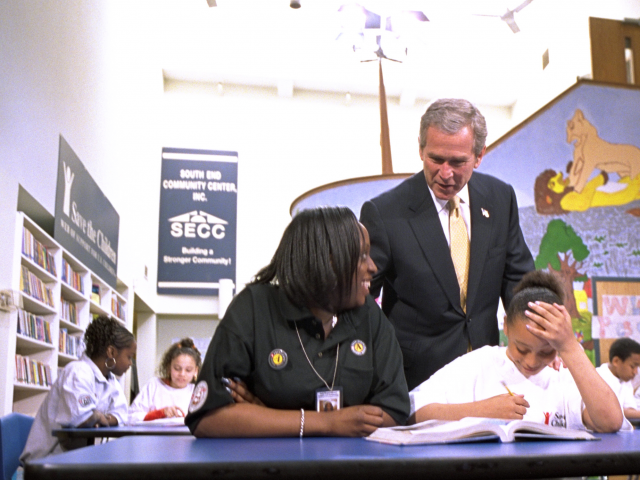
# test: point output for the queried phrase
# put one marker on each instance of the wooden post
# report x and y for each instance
(385, 143)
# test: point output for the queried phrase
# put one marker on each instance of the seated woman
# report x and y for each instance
(514, 382)
(168, 395)
(313, 348)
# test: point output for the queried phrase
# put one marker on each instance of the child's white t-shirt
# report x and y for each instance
(623, 390)
(155, 395)
(481, 374)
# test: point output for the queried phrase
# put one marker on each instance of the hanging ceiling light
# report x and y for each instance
(374, 35)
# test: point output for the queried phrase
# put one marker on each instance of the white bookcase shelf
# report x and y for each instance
(60, 298)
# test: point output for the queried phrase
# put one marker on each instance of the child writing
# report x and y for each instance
(624, 359)
(168, 395)
(515, 382)
(87, 392)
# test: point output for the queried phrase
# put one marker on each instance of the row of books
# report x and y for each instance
(33, 326)
(118, 308)
(69, 344)
(71, 277)
(33, 249)
(68, 311)
(34, 287)
(32, 372)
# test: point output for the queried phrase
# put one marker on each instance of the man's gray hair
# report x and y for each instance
(451, 115)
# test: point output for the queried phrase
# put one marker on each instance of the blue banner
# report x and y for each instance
(86, 225)
(198, 215)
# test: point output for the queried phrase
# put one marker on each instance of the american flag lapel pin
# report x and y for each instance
(484, 213)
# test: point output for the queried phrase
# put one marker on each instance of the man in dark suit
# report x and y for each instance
(440, 310)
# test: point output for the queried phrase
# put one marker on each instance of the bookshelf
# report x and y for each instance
(58, 297)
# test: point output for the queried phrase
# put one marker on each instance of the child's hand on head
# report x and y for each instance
(551, 323)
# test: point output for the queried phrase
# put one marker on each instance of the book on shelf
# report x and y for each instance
(71, 277)
(32, 372)
(473, 429)
(38, 253)
(34, 287)
(118, 307)
(95, 293)
(68, 311)
(68, 344)
(34, 326)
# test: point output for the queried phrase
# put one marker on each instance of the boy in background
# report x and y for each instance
(624, 359)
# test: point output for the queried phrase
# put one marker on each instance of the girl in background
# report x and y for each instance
(87, 393)
(168, 395)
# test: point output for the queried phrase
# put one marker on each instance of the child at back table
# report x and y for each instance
(87, 392)
(515, 382)
(624, 359)
(169, 394)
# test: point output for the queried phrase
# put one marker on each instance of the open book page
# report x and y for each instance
(161, 422)
(472, 429)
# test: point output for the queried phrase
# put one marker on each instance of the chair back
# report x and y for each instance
(14, 430)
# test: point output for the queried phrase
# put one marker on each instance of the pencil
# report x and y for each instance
(505, 386)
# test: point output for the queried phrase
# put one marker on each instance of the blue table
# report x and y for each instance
(176, 457)
(120, 431)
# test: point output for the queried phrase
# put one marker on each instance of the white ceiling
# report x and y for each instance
(267, 43)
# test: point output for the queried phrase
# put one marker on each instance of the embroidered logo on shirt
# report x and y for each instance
(559, 420)
(84, 400)
(358, 347)
(278, 359)
(199, 396)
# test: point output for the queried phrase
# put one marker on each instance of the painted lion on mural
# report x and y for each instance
(593, 153)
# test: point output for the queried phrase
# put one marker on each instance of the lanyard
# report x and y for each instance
(311, 365)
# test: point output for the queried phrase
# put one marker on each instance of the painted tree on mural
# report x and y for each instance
(562, 252)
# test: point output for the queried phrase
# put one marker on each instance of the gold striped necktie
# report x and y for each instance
(459, 247)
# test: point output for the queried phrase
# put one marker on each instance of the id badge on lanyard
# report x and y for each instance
(328, 400)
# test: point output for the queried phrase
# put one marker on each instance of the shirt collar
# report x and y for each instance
(94, 368)
(442, 204)
(294, 313)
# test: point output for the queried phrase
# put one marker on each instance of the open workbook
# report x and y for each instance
(472, 429)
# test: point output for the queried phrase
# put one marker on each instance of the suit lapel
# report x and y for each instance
(428, 231)
(481, 225)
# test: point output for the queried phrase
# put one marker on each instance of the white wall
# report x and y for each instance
(81, 69)
(564, 31)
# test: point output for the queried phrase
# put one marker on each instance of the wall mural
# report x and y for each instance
(575, 166)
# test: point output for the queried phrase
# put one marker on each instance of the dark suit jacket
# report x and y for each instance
(421, 295)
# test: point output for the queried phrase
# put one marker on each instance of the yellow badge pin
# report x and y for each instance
(278, 359)
(358, 347)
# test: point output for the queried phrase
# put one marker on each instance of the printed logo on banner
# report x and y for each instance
(198, 223)
(86, 224)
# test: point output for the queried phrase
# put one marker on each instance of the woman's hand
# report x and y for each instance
(239, 391)
(356, 421)
(172, 411)
(552, 323)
